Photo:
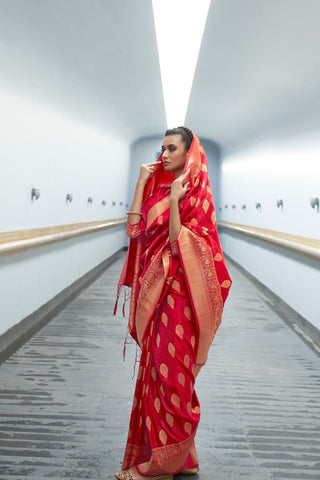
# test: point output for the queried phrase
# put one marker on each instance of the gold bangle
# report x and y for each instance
(135, 213)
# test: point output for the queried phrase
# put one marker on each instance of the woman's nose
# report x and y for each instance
(164, 155)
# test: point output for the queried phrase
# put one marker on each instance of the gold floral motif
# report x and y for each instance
(148, 423)
(175, 399)
(157, 404)
(176, 285)
(181, 379)
(164, 319)
(205, 205)
(180, 331)
(170, 301)
(163, 437)
(192, 201)
(188, 312)
(171, 349)
(164, 370)
(169, 419)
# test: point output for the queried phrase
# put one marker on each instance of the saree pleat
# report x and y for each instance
(166, 409)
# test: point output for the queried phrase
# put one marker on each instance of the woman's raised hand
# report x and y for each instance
(179, 187)
(146, 171)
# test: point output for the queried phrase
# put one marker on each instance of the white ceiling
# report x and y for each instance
(96, 60)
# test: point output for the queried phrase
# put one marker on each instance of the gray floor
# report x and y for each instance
(65, 396)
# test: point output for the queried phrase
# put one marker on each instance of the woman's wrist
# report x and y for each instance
(141, 182)
(174, 200)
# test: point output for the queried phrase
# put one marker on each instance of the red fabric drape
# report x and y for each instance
(177, 295)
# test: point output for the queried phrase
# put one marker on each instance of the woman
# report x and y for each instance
(179, 283)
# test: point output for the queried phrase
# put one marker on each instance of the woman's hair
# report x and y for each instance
(186, 133)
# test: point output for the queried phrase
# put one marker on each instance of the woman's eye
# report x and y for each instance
(172, 149)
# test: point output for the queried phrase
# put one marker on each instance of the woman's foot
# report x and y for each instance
(189, 471)
(133, 474)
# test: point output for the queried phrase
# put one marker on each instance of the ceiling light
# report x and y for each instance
(179, 28)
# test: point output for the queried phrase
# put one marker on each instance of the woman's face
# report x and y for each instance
(174, 154)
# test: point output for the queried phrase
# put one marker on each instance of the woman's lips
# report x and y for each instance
(165, 163)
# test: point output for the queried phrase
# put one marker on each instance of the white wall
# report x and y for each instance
(42, 148)
(283, 167)
(144, 150)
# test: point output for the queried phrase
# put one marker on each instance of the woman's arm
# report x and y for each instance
(134, 214)
(178, 190)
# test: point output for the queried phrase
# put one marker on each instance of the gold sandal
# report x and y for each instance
(189, 471)
(133, 474)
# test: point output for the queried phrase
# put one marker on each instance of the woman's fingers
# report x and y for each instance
(146, 171)
(151, 166)
(184, 175)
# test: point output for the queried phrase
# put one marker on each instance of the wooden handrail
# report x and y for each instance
(303, 245)
(22, 240)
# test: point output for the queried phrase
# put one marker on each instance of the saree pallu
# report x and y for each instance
(178, 291)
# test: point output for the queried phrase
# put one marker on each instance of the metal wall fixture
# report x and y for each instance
(69, 198)
(226, 206)
(220, 208)
(244, 207)
(90, 200)
(258, 206)
(35, 193)
(314, 202)
(279, 203)
(233, 207)
(113, 203)
(121, 203)
(104, 203)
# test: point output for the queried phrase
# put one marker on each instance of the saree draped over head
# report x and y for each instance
(178, 291)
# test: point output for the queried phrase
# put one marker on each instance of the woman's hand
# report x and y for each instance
(146, 171)
(134, 214)
(179, 188)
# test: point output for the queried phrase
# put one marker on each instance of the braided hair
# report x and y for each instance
(185, 132)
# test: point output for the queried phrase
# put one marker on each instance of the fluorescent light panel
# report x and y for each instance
(179, 28)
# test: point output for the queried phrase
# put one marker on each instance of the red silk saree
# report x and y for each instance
(178, 291)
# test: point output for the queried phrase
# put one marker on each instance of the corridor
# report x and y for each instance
(66, 395)
(192, 127)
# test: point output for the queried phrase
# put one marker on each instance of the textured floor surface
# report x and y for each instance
(65, 396)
